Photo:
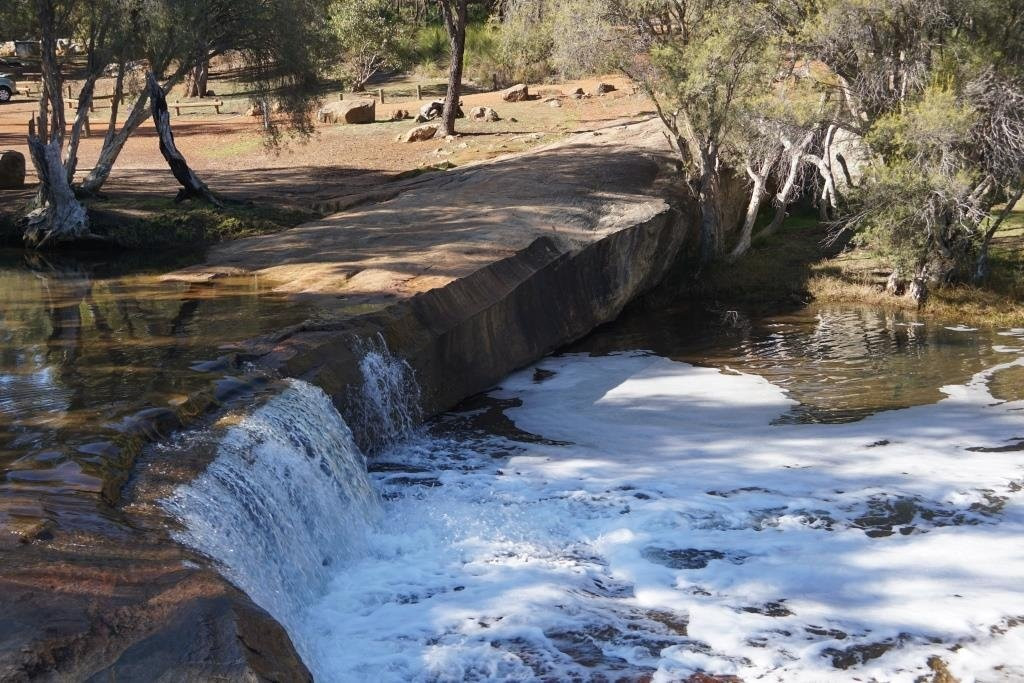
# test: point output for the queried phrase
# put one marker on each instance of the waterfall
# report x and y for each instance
(286, 500)
(385, 409)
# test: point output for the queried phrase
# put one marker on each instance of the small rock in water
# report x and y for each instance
(690, 558)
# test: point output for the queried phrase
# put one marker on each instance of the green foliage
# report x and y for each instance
(534, 41)
(368, 35)
(427, 50)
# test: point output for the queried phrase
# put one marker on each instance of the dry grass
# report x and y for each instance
(855, 277)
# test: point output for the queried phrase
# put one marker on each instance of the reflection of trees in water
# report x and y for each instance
(69, 341)
(844, 363)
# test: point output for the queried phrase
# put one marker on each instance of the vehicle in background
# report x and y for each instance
(7, 88)
(11, 66)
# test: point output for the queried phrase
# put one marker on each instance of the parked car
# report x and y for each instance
(7, 89)
(9, 66)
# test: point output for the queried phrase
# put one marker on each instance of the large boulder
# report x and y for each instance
(348, 111)
(12, 169)
(420, 133)
(517, 93)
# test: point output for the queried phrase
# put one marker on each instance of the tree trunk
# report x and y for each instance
(782, 199)
(827, 205)
(981, 268)
(114, 142)
(50, 75)
(918, 290)
(757, 193)
(200, 76)
(115, 102)
(61, 217)
(84, 103)
(454, 12)
(191, 185)
(58, 215)
(710, 212)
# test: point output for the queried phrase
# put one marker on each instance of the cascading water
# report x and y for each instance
(285, 501)
(385, 408)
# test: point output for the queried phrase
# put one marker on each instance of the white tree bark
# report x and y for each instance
(758, 178)
(61, 217)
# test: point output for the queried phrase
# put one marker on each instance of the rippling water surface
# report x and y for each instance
(83, 345)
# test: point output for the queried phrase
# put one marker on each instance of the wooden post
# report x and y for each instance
(216, 106)
(88, 131)
(341, 97)
(419, 92)
(380, 94)
(177, 109)
(69, 91)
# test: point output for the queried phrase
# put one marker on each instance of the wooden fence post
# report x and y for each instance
(419, 91)
(380, 94)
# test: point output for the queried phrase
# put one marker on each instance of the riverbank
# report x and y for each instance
(798, 265)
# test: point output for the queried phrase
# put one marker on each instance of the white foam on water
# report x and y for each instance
(679, 530)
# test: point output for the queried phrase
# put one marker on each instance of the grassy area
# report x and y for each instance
(154, 222)
(794, 266)
(148, 222)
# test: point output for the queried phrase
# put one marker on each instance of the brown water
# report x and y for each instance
(84, 345)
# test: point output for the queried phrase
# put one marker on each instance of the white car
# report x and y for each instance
(7, 88)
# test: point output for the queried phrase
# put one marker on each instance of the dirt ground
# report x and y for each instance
(228, 149)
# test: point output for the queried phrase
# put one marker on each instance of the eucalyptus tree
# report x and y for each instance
(700, 61)
(56, 213)
(281, 43)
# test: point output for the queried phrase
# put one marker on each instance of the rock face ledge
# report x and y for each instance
(472, 273)
(467, 274)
